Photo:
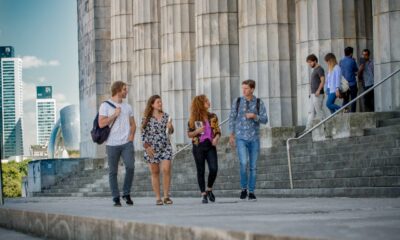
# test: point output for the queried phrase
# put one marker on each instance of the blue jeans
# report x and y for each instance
(330, 102)
(248, 152)
(114, 153)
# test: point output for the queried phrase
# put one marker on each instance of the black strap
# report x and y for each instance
(109, 103)
(238, 104)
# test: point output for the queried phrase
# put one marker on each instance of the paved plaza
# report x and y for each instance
(326, 218)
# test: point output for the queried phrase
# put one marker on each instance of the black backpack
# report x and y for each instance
(238, 104)
(100, 135)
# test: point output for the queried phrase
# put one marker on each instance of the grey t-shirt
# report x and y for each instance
(316, 75)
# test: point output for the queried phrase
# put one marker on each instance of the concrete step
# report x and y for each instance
(389, 122)
(382, 130)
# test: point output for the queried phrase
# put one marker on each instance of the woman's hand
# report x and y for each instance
(150, 152)
(215, 141)
(199, 130)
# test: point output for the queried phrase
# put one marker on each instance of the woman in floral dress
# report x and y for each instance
(205, 140)
(156, 127)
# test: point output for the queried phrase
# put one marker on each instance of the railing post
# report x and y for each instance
(289, 162)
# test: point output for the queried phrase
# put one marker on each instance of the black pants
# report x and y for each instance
(203, 152)
(369, 100)
(353, 94)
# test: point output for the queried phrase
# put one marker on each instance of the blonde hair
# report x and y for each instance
(117, 87)
(330, 59)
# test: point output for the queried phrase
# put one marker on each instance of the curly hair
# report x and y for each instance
(197, 111)
(148, 111)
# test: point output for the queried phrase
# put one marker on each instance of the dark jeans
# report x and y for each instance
(114, 153)
(203, 152)
(353, 94)
(369, 100)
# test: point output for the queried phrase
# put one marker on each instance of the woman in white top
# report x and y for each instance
(332, 82)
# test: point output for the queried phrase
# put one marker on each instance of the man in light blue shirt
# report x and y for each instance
(349, 70)
(247, 113)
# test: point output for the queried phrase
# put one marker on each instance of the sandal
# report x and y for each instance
(159, 202)
(167, 200)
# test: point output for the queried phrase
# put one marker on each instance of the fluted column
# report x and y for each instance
(386, 54)
(122, 42)
(146, 52)
(178, 61)
(217, 53)
(325, 26)
(94, 68)
(267, 55)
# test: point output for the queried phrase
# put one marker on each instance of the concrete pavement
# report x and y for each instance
(326, 218)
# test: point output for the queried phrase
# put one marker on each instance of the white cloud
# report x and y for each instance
(35, 62)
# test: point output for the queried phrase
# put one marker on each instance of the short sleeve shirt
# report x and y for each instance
(120, 130)
(316, 75)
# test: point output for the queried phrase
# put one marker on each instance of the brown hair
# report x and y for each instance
(250, 83)
(148, 111)
(197, 111)
(330, 59)
(117, 87)
(312, 58)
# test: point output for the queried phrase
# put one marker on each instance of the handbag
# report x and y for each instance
(344, 85)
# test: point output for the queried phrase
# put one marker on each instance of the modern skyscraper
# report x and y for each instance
(12, 107)
(5, 52)
(45, 113)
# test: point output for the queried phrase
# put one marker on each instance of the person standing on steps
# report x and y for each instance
(156, 127)
(120, 140)
(203, 129)
(349, 70)
(247, 113)
(316, 97)
(332, 82)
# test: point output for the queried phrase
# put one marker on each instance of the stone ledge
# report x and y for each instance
(62, 226)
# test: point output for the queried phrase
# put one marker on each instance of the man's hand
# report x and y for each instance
(317, 93)
(117, 112)
(131, 137)
(232, 140)
(150, 152)
(251, 115)
(337, 93)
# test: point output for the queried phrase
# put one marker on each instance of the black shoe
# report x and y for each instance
(211, 196)
(117, 202)
(252, 197)
(204, 199)
(243, 194)
(128, 200)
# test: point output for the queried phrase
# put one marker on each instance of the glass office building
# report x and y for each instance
(11, 107)
(45, 114)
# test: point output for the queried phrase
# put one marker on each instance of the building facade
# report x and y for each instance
(45, 114)
(12, 107)
(182, 48)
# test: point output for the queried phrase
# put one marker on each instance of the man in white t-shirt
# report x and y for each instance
(120, 141)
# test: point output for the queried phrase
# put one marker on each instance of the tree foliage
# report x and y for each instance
(12, 177)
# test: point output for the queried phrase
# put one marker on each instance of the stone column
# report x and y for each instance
(178, 62)
(267, 55)
(122, 43)
(146, 53)
(94, 68)
(217, 54)
(386, 54)
(325, 26)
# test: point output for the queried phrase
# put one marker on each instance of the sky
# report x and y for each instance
(44, 34)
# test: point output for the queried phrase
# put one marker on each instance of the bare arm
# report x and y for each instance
(132, 129)
(106, 121)
(321, 85)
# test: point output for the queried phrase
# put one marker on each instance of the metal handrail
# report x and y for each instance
(189, 144)
(326, 119)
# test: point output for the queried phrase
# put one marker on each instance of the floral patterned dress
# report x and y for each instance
(154, 135)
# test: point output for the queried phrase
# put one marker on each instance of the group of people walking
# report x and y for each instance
(346, 70)
(247, 113)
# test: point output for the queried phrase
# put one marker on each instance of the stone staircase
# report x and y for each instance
(364, 166)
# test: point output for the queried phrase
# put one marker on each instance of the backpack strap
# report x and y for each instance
(258, 106)
(111, 104)
(237, 106)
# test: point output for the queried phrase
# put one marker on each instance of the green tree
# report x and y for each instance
(12, 177)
